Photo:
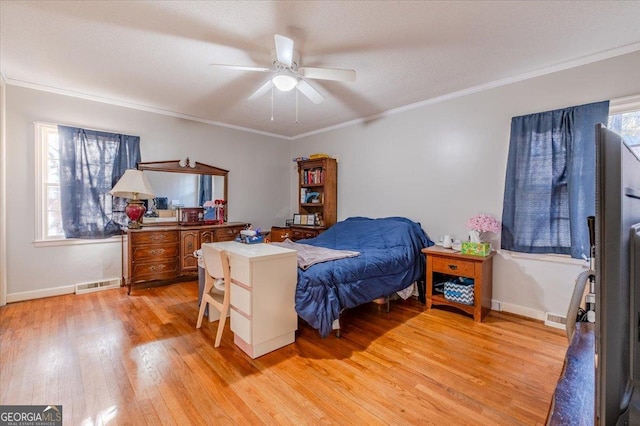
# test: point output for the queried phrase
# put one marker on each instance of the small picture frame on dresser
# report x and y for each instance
(311, 219)
(297, 219)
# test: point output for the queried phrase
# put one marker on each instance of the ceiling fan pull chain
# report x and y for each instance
(271, 103)
(297, 122)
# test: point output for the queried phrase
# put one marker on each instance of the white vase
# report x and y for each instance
(474, 236)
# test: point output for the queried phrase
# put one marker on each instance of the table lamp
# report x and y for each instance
(134, 186)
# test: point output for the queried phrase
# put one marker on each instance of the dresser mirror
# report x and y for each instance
(177, 184)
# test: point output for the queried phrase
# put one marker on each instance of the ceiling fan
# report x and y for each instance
(287, 73)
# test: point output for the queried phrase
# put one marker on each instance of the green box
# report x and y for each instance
(476, 249)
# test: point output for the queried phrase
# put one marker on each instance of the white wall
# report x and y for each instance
(258, 178)
(442, 163)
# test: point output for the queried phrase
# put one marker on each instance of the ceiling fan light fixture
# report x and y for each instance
(284, 82)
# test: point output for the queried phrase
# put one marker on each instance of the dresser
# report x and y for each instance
(159, 255)
(263, 286)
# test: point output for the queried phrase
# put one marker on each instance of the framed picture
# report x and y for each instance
(303, 219)
(297, 219)
(311, 219)
(312, 197)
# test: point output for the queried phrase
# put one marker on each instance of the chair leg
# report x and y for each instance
(203, 304)
(223, 319)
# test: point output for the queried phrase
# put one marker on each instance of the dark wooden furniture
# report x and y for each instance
(301, 232)
(449, 263)
(160, 255)
(317, 195)
(574, 398)
(294, 233)
(279, 233)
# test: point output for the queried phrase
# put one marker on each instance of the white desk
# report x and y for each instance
(263, 285)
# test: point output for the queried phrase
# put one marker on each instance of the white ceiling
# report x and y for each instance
(155, 55)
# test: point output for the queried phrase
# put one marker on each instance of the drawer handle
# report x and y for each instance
(156, 252)
(157, 237)
(156, 268)
(453, 267)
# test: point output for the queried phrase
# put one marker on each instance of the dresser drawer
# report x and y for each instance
(465, 268)
(299, 234)
(162, 270)
(164, 251)
(154, 237)
(226, 234)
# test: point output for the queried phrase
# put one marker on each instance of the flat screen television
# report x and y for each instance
(617, 286)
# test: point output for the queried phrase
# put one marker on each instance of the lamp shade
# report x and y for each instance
(133, 185)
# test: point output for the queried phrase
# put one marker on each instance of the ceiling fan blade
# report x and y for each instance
(284, 49)
(328, 74)
(241, 67)
(261, 91)
(311, 93)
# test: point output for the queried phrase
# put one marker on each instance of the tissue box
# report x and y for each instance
(460, 292)
(475, 249)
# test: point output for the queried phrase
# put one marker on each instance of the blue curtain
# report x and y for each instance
(91, 163)
(550, 181)
(206, 189)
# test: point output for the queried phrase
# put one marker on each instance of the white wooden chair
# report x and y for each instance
(216, 265)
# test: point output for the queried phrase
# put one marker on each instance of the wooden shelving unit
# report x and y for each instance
(317, 194)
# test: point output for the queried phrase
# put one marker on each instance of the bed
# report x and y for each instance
(389, 260)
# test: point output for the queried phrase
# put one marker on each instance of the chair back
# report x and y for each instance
(216, 262)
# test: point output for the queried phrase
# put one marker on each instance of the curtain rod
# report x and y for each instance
(81, 127)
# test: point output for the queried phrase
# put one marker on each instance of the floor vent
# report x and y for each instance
(555, 320)
(97, 286)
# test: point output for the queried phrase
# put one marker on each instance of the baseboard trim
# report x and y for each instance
(519, 310)
(39, 294)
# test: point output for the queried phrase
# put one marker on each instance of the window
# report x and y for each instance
(549, 185)
(540, 213)
(75, 170)
(48, 212)
(628, 125)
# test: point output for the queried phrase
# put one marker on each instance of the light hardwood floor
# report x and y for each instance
(109, 358)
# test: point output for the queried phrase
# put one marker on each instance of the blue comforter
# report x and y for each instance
(389, 261)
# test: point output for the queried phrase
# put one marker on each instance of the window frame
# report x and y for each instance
(617, 106)
(625, 105)
(41, 238)
(42, 132)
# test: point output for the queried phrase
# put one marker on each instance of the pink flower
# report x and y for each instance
(208, 204)
(483, 223)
